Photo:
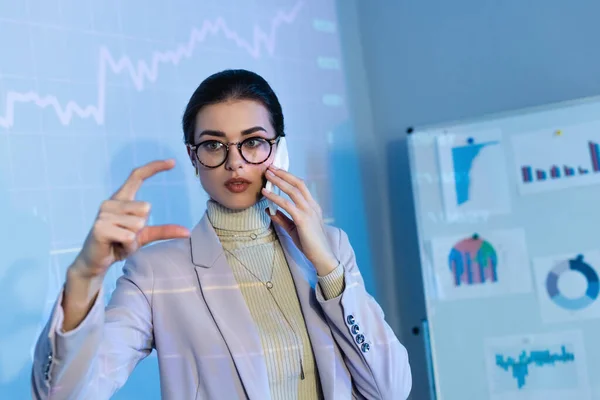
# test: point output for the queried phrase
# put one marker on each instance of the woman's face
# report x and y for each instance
(236, 184)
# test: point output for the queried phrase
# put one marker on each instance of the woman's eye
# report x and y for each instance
(254, 142)
(212, 145)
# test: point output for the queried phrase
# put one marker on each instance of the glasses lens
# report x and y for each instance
(211, 153)
(256, 150)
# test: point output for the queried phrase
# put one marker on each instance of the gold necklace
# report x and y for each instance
(269, 285)
(253, 235)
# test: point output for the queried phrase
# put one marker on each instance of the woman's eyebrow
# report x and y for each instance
(245, 132)
(252, 130)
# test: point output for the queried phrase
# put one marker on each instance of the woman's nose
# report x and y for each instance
(234, 159)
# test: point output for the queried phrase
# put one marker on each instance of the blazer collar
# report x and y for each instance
(230, 310)
(205, 245)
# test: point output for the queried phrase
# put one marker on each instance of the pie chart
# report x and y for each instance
(573, 303)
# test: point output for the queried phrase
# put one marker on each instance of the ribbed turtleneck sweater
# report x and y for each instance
(255, 255)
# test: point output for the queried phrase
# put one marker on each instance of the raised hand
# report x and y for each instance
(120, 227)
(119, 230)
(306, 227)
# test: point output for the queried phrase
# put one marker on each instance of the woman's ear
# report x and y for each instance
(193, 160)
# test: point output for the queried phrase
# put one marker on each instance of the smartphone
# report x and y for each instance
(282, 161)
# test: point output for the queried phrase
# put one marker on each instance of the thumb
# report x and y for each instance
(283, 220)
(151, 234)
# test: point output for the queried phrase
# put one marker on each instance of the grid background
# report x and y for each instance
(91, 89)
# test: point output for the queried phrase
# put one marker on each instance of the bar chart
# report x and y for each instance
(531, 174)
(545, 366)
(557, 158)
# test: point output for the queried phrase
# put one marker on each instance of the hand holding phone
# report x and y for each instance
(281, 161)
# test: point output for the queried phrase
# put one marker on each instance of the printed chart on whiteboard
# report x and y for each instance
(493, 263)
(474, 177)
(557, 158)
(550, 366)
(567, 286)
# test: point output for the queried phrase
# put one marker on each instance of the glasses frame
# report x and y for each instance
(194, 148)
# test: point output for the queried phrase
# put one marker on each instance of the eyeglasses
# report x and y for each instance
(213, 153)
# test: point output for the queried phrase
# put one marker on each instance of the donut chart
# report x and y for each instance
(578, 303)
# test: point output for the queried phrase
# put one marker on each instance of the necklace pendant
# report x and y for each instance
(269, 285)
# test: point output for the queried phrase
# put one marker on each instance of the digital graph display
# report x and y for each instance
(91, 90)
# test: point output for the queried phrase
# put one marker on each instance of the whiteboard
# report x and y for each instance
(508, 232)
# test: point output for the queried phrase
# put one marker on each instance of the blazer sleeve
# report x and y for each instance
(95, 359)
(377, 361)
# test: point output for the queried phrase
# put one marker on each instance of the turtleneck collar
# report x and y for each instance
(249, 219)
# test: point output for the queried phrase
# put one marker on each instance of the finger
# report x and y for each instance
(139, 208)
(162, 232)
(130, 222)
(284, 221)
(297, 183)
(281, 202)
(287, 188)
(107, 232)
(138, 176)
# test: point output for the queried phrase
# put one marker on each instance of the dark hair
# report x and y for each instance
(232, 84)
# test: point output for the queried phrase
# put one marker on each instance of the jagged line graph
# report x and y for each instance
(147, 72)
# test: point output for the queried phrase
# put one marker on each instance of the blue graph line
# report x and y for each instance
(520, 367)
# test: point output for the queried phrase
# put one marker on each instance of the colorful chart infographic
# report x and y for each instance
(557, 158)
(473, 171)
(481, 265)
(537, 367)
(568, 286)
(473, 261)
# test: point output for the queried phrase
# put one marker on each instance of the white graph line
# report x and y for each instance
(141, 71)
(65, 251)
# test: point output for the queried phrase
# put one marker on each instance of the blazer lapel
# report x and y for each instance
(229, 310)
(305, 279)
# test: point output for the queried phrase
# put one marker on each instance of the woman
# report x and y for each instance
(245, 305)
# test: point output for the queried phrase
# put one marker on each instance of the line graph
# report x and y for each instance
(97, 88)
(142, 72)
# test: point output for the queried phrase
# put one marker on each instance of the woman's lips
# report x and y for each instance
(237, 185)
